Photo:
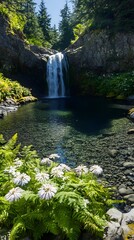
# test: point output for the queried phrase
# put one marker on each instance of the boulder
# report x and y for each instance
(120, 226)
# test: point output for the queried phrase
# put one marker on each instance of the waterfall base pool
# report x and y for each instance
(80, 130)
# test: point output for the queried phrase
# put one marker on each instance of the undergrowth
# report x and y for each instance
(40, 196)
(12, 89)
(116, 85)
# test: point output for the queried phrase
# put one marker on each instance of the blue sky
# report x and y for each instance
(53, 9)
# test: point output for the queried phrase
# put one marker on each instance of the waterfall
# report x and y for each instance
(56, 70)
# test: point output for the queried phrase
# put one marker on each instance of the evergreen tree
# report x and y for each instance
(32, 29)
(44, 21)
(54, 36)
(65, 28)
(116, 15)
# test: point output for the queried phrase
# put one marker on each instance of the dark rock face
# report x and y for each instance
(102, 52)
(17, 56)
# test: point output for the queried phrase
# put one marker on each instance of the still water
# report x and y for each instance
(71, 127)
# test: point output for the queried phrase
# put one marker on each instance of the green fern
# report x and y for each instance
(80, 202)
(17, 230)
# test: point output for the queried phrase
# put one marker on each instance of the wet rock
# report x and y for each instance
(108, 134)
(124, 191)
(113, 232)
(120, 227)
(128, 164)
(129, 217)
(113, 152)
(130, 197)
(131, 131)
(115, 214)
(128, 172)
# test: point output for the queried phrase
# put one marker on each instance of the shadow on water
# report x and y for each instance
(86, 115)
(50, 124)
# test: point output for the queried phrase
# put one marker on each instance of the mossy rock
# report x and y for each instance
(27, 99)
(131, 111)
(130, 234)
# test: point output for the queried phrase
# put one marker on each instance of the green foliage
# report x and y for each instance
(113, 15)
(16, 21)
(65, 28)
(73, 200)
(78, 30)
(117, 85)
(12, 89)
(44, 21)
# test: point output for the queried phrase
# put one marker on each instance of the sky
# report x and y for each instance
(53, 9)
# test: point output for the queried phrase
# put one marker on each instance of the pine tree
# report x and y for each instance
(66, 32)
(44, 20)
(54, 35)
(32, 29)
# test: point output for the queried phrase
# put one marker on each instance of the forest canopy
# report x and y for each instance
(114, 16)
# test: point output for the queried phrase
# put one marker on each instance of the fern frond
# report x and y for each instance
(30, 196)
(11, 143)
(66, 223)
(2, 140)
(17, 230)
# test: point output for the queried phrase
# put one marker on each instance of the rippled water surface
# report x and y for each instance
(70, 127)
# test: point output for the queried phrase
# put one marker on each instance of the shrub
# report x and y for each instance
(117, 85)
(12, 89)
(40, 196)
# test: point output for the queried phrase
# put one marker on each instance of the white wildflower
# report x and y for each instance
(81, 169)
(16, 174)
(37, 170)
(54, 156)
(47, 191)
(42, 177)
(64, 167)
(18, 162)
(86, 202)
(11, 170)
(57, 172)
(96, 169)
(14, 194)
(46, 161)
(22, 179)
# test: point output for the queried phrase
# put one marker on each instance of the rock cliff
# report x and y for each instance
(16, 56)
(102, 51)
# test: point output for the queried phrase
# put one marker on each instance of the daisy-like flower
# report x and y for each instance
(18, 162)
(11, 170)
(64, 167)
(42, 177)
(96, 169)
(54, 156)
(57, 172)
(81, 169)
(22, 179)
(47, 191)
(14, 194)
(46, 161)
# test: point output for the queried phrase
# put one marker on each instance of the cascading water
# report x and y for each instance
(56, 70)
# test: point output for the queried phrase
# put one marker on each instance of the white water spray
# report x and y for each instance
(56, 68)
